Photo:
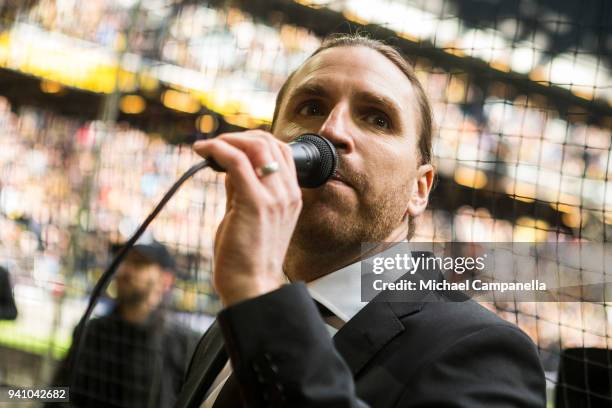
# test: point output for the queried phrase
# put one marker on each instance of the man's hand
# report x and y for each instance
(260, 216)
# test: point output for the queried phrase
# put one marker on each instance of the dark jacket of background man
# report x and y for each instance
(136, 356)
(129, 365)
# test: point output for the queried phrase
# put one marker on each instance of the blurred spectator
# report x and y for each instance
(8, 310)
(136, 356)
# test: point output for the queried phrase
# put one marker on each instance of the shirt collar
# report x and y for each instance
(340, 291)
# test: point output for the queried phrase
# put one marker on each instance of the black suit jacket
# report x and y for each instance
(429, 353)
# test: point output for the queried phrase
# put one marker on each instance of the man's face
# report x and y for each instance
(139, 282)
(365, 106)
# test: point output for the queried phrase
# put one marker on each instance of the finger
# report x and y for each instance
(275, 147)
(284, 155)
(235, 162)
(288, 157)
(279, 148)
(262, 149)
(257, 149)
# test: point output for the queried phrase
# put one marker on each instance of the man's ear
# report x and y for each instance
(421, 188)
(168, 279)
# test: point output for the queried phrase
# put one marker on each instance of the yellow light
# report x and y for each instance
(50, 87)
(180, 101)
(531, 222)
(206, 123)
(521, 191)
(524, 199)
(408, 36)
(455, 93)
(455, 51)
(127, 81)
(148, 82)
(469, 177)
(583, 92)
(564, 208)
(132, 104)
(572, 220)
(309, 3)
(528, 229)
(526, 221)
(500, 66)
(538, 75)
(527, 234)
(354, 17)
(240, 119)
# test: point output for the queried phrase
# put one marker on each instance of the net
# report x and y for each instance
(100, 101)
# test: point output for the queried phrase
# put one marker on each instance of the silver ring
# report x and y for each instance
(267, 169)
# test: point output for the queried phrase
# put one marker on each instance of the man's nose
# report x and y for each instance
(337, 129)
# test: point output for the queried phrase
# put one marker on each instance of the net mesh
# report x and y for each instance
(100, 101)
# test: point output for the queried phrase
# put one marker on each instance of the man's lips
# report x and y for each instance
(338, 177)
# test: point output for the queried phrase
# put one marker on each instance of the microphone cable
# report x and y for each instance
(104, 280)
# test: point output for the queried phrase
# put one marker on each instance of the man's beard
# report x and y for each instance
(341, 226)
(132, 296)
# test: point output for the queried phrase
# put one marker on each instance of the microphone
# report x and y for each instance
(315, 160)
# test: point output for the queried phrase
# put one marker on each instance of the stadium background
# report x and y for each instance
(100, 100)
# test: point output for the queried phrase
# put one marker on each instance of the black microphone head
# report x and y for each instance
(328, 160)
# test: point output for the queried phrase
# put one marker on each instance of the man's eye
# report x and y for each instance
(311, 108)
(378, 120)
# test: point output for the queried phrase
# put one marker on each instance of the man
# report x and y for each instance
(136, 356)
(362, 96)
(8, 310)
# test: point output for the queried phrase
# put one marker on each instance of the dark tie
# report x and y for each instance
(329, 316)
(229, 397)
(324, 311)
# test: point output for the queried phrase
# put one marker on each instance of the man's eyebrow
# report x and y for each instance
(309, 89)
(387, 104)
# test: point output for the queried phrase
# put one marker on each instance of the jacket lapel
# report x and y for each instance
(206, 363)
(370, 330)
(378, 323)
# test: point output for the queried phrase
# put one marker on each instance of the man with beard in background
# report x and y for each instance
(136, 356)
(285, 258)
